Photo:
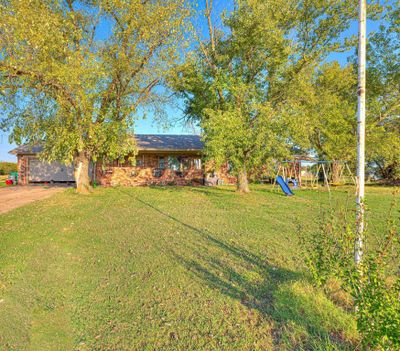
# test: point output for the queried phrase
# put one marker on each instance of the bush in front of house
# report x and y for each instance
(7, 167)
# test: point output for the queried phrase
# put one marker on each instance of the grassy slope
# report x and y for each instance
(167, 269)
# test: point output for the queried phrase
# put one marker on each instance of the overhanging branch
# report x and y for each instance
(42, 80)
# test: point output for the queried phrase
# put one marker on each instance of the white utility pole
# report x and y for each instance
(362, 33)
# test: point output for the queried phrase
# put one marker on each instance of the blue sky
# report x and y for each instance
(148, 125)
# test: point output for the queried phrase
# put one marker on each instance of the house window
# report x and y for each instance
(161, 162)
(140, 161)
(185, 163)
(173, 163)
(197, 163)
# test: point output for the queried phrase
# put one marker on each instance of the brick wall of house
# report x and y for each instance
(136, 176)
(147, 172)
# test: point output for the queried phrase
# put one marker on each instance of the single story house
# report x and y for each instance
(162, 159)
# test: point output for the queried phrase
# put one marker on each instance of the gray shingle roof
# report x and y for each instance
(150, 142)
(168, 142)
(26, 149)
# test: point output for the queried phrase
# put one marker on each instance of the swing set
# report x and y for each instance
(306, 172)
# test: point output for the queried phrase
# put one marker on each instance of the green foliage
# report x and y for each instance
(247, 88)
(376, 291)
(327, 250)
(230, 135)
(383, 94)
(78, 91)
(331, 101)
(374, 285)
(7, 167)
(333, 108)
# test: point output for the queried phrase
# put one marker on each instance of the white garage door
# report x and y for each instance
(46, 172)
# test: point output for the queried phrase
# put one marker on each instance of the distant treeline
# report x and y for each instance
(7, 167)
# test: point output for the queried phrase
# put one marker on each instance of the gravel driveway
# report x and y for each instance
(17, 196)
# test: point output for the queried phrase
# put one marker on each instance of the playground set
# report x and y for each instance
(307, 172)
(12, 178)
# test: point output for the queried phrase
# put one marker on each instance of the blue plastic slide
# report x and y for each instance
(285, 188)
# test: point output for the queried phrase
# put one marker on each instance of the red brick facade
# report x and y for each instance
(151, 169)
(159, 169)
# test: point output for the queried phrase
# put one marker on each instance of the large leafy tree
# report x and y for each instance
(332, 110)
(75, 74)
(334, 130)
(333, 106)
(247, 85)
(383, 94)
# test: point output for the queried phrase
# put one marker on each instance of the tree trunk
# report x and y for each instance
(391, 171)
(81, 173)
(242, 182)
(336, 172)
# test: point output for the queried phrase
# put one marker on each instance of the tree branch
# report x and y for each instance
(17, 72)
(144, 94)
(209, 4)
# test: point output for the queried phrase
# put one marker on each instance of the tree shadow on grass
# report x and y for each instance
(275, 191)
(197, 188)
(302, 317)
(214, 190)
(300, 314)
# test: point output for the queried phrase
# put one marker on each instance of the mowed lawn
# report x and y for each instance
(174, 268)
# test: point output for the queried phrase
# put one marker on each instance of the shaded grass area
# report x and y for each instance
(169, 269)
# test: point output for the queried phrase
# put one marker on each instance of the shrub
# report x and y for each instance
(7, 167)
(374, 285)
(327, 250)
(375, 288)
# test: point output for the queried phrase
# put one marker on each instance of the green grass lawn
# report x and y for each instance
(169, 269)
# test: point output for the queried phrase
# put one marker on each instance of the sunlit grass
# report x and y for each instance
(169, 269)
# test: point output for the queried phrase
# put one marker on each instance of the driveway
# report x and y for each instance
(17, 196)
